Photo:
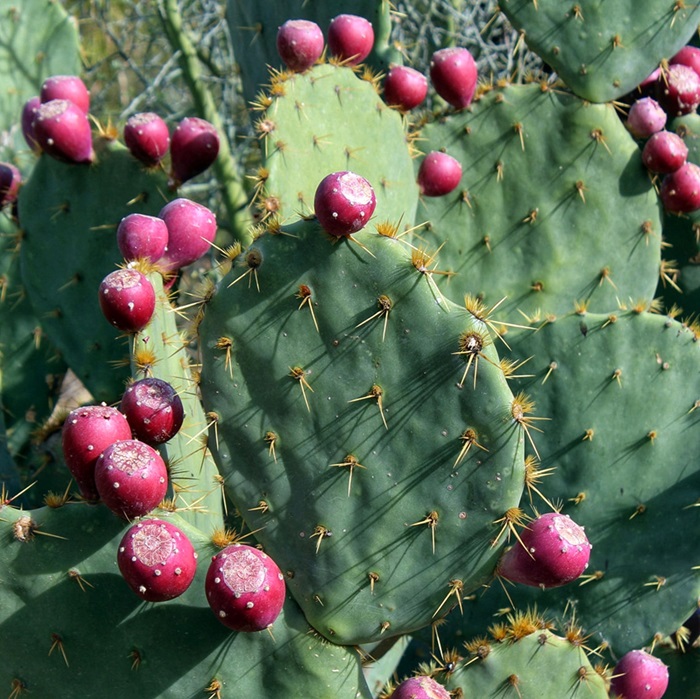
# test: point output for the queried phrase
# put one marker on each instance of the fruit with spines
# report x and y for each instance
(639, 675)
(680, 190)
(405, 87)
(350, 38)
(131, 478)
(63, 131)
(300, 44)
(245, 588)
(344, 203)
(664, 152)
(147, 137)
(66, 87)
(157, 560)
(153, 409)
(87, 432)
(678, 90)
(439, 174)
(191, 231)
(646, 117)
(127, 299)
(194, 146)
(454, 75)
(140, 236)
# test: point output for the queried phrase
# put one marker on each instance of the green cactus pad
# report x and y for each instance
(69, 215)
(353, 431)
(70, 626)
(327, 120)
(603, 50)
(556, 207)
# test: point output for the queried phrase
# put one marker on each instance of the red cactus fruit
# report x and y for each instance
(147, 137)
(244, 588)
(350, 38)
(453, 73)
(299, 44)
(405, 87)
(680, 191)
(131, 478)
(193, 148)
(439, 174)
(10, 180)
(688, 56)
(344, 203)
(127, 299)
(66, 87)
(63, 131)
(142, 237)
(191, 231)
(678, 90)
(157, 560)
(645, 118)
(639, 675)
(153, 409)
(29, 111)
(87, 432)
(553, 550)
(664, 152)
(420, 687)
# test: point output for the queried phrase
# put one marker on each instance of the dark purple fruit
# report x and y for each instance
(10, 180)
(127, 299)
(439, 174)
(680, 191)
(63, 131)
(299, 44)
(350, 38)
(344, 203)
(405, 87)
(639, 675)
(142, 237)
(153, 409)
(191, 231)
(29, 111)
(678, 90)
(66, 87)
(147, 137)
(454, 75)
(193, 148)
(664, 152)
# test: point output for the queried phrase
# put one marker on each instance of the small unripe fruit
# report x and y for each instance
(344, 203)
(193, 148)
(405, 87)
(127, 299)
(639, 675)
(664, 152)
(646, 117)
(147, 137)
(66, 87)
(62, 130)
(142, 237)
(153, 409)
(420, 687)
(439, 174)
(680, 191)
(191, 231)
(299, 44)
(454, 74)
(350, 38)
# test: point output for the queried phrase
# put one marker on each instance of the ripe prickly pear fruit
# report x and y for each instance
(10, 180)
(66, 87)
(131, 478)
(420, 687)
(687, 56)
(127, 299)
(646, 117)
(153, 409)
(553, 550)
(63, 131)
(87, 432)
(142, 237)
(29, 111)
(193, 148)
(157, 560)
(680, 191)
(664, 152)
(245, 588)
(439, 174)
(639, 675)
(299, 44)
(147, 137)
(405, 87)
(191, 231)
(453, 73)
(678, 90)
(350, 38)
(344, 203)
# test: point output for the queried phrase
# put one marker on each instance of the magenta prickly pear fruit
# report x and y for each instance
(420, 687)
(678, 90)
(299, 44)
(127, 299)
(29, 111)
(664, 152)
(147, 137)
(87, 432)
(131, 478)
(191, 231)
(439, 174)
(639, 675)
(405, 87)
(553, 550)
(646, 117)
(454, 74)
(157, 560)
(66, 87)
(10, 180)
(193, 148)
(350, 38)
(245, 588)
(63, 131)
(344, 203)
(153, 409)
(680, 191)
(688, 56)
(142, 237)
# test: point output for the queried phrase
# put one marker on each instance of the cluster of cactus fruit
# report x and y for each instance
(432, 419)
